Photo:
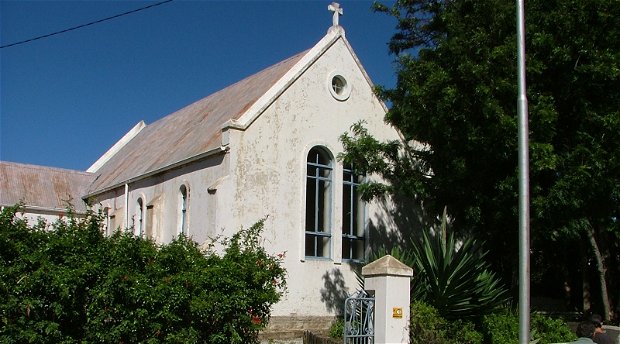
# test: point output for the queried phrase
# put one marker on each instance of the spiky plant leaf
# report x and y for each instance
(453, 276)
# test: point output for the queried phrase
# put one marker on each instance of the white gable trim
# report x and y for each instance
(117, 147)
(333, 35)
(248, 117)
(366, 76)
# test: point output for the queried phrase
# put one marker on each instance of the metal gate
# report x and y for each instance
(359, 318)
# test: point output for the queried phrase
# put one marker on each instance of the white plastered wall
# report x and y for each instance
(162, 193)
(268, 160)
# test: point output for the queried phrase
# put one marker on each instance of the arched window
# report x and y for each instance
(139, 223)
(183, 205)
(353, 231)
(318, 203)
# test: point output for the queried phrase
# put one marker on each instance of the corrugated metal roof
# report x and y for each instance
(44, 187)
(189, 132)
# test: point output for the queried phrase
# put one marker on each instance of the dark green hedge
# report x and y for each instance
(72, 284)
(500, 327)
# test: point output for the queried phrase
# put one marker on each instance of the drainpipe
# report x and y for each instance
(126, 206)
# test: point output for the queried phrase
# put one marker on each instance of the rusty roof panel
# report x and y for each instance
(45, 187)
(189, 132)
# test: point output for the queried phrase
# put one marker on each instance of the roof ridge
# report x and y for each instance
(41, 167)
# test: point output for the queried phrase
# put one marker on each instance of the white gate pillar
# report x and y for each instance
(390, 279)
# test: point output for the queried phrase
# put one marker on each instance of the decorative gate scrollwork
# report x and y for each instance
(359, 318)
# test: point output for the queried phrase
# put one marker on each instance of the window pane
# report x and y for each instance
(310, 245)
(140, 217)
(325, 173)
(312, 170)
(346, 248)
(323, 206)
(317, 245)
(149, 221)
(318, 203)
(322, 157)
(358, 214)
(323, 246)
(358, 249)
(346, 210)
(310, 205)
(353, 231)
(320, 206)
(183, 206)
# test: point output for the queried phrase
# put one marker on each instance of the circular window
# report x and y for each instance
(339, 87)
(338, 84)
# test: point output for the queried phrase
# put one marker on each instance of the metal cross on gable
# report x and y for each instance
(335, 7)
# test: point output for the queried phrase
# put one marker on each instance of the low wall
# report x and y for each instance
(311, 338)
(282, 327)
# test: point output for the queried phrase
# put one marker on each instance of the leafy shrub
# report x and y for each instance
(550, 330)
(503, 328)
(336, 330)
(464, 332)
(73, 284)
(427, 326)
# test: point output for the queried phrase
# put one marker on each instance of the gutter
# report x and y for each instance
(51, 210)
(215, 151)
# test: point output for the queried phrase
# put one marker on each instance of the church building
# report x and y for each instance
(266, 146)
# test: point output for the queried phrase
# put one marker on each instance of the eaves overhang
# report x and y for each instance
(219, 150)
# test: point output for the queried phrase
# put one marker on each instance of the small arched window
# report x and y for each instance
(183, 206)
(139, 223)
(318, 203)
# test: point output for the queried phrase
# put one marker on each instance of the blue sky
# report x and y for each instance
(66, 99)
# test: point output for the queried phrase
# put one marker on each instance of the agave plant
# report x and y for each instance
(452, 276)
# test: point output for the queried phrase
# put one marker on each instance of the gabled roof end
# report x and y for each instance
(117, 146)
(309, 57)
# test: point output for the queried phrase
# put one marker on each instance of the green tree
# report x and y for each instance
(454, 104)
(72, 284)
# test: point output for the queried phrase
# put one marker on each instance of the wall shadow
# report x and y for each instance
(334, 291)
(404, 222)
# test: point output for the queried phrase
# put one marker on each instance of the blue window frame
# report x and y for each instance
(183, 200)
(353, 229)
(318, 203)
(139, 217)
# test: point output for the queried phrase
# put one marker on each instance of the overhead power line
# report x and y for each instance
(85, 25)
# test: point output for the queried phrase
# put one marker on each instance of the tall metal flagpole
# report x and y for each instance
(524, 182)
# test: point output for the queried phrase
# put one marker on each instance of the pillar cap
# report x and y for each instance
(387, 266)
